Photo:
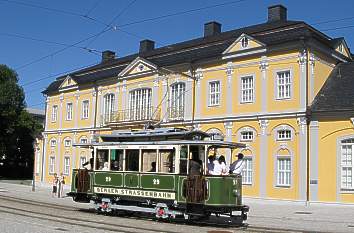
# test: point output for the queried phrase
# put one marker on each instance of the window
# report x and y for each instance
(102, 160)
(284, 134)
(132, 160)
(347, 164)
(67, 142)
(244, 42)
(183, 160)
(66, 166)
(108, 107)
(247, 136)
(247, 89)
(340, 48)
(116, 160)
(149, 160)
(69, 111)
(177, 100)
(82, 161)
(283, 85)
(83, 140)
(54, 113)
(140, 104)
(85, 109)
(283, 171)
(38, 161)
(247, 172)
(167, 161)
(52, 165)
(53, 143)
(214, 93)
(69, 81)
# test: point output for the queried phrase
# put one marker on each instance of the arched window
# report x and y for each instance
(53, 142)
(140, 104)
(108, 107)
(67, 142)
(215, 134)
(346, 164)
(177, 100)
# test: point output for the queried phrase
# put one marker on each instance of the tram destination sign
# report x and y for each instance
(136, 193)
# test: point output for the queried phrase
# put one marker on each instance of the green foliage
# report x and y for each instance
(18, 128)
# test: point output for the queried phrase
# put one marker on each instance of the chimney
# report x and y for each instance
(277, 13)
(146, 46)
(108, 55)
(212, 28)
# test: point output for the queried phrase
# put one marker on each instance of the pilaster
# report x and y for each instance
(314, 142)
(76, 110)
(93, 107)
(302, 60)
(312, 61)
(188, 101)
(229, 72)
(58, 157)
(302, 148)
(228, 138)
(61, 98)
(263, 124)
(165, 102)
(263, 66)
(44, 156)
(198, 102)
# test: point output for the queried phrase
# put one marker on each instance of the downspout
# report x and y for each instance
(307, 128)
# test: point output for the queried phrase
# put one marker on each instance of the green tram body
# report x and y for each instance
(165, 194)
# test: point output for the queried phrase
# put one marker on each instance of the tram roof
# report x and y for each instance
(219, 144)
(154, 134)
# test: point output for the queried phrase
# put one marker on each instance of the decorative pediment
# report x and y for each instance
(342, 47)
(68, 82)
(138, 66)
(243, 42)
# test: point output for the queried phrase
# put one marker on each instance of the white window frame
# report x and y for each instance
(54, 113)
(53, 143)
(284, 134)
(83, 140)
(67, 142)
(247, 89)
(140, 107)
(108, 106)
(178, 91)
(85, 109)
(66, 165)
(51, 165)
(244, 42)
(82, 160)
(283, 85)
(69, 111)
(246, 136)
(347, 164)
(247, 172)
(214, 93)
(283, 171)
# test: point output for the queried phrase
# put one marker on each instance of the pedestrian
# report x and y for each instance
(61, 182)
(237, 166)
(55, 185)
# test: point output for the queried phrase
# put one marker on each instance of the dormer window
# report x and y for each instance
(340, 48)
(69, 81)
(244, 42)
(141, 67)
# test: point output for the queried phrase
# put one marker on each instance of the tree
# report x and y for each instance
(18, 128)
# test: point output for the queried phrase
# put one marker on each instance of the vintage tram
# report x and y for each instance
(149, 171)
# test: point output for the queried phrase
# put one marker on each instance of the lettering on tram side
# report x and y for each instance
(136, 193)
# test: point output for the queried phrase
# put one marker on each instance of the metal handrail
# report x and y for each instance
(131, 115)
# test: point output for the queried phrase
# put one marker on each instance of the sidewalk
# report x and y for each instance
(273, 214)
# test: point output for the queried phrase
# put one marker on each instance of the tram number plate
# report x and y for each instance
(156, 181)
(108, 179)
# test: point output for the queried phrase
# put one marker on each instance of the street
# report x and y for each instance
(22, 210)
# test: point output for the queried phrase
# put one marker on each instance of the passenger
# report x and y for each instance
(55, 185)
(211, 164)
(237, 166)
(153, 167)
(105, 167)
(220, 166)
(195, 165)
(115, 166)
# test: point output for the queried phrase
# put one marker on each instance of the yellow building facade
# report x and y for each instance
(254, 85)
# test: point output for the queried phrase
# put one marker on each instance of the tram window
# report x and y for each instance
(183, 160)
(132, 160)
(102, 160)
(117, 160)
(149, 160)
(167, 161)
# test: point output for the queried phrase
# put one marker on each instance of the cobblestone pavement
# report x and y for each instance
(265, 215)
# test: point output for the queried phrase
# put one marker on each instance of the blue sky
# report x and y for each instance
(20, 18)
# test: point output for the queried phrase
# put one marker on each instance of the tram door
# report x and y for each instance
(196, 189)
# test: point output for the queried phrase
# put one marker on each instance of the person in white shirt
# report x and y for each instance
(105, 167)
(237, 166)
(219, 166)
